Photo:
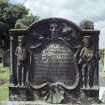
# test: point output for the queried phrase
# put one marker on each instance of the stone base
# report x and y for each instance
(21, 93)
(31, 103)
(18, 93)
(91, 92)
(37, 103)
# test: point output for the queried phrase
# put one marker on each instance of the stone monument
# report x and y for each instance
(59, 61)
(1, 51)
(6, 58)
(104, 61)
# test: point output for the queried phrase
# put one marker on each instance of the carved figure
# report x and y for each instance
(23, 61)
(87, 59)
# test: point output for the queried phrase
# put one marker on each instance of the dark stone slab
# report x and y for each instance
(1, 55)
(17, 93)
(6, 58)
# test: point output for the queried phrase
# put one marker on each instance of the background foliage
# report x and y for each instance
(11, 16)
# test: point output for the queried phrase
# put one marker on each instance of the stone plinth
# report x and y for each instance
(18, 93)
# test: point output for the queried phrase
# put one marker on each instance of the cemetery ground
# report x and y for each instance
(4, 79)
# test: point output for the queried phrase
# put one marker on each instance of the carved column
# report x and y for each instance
(96, 49)
(95, 46)
(11, 58)
(88, 30)
(14, 33)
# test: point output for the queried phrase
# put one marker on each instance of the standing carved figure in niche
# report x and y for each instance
(87, 60)
(23, 62)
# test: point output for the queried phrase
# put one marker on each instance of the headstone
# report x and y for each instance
(102, 94)
(6, 58)
(104, 61)
(1, 55)
(103, 97)
(54, 61)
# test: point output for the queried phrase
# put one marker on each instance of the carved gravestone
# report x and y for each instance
(103, 97)
(47, 62)
(6, 58)
(1, 55)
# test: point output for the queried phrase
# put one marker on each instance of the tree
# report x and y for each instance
(26, 21)
(9, 14)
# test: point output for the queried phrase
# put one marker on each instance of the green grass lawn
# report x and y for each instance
(4, 92)
(101, 67)
(4, 76)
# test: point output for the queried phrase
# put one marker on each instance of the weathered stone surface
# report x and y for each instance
(37, 103)
(54, 72)
(30, 103)
(1, 55)
(102, 94)
(104, 62)
(17, 92)
(99, 104)
(103, 97)
(87, 24)
(6, 58)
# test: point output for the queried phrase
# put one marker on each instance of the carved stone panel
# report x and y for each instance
(53, 72)
(54, 56)
(55, 63)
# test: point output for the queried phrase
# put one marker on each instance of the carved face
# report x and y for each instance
(20, 41)
(53, 28)
(86, 42)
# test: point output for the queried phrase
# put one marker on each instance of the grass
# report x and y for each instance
(4, 76)
(4, 73)
(4, 92)
(101, 67)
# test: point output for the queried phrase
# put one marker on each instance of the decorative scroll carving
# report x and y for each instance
(50, 92)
